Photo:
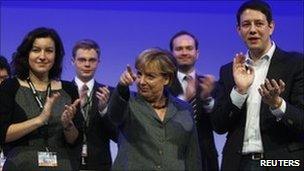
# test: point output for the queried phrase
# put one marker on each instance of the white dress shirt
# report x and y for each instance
(252, 137)
(90, 85)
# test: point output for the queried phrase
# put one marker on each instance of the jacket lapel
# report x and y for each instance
(176, 87)
(93, 111)
(144, 107)
(171, 109)
(274, 72)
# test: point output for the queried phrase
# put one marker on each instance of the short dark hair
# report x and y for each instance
(180, 33)
(258, 5)
(86, 44)
(5, 65)
(20, 64)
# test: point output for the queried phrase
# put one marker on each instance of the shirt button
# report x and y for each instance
(290, 121)
(158, 166)
(230, 114)
(160, 152)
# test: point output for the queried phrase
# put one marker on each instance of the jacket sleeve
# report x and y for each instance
(193, 155)
(118, 106)
(294, 114)
(8, 89)
(225, 113)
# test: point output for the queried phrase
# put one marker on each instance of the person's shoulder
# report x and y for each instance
(98, 84)
(227, 65)
(290, 55)
(226, 68)
(9, 88)
(296, 56)
(69, 86)
(10, 83)
(179, 104)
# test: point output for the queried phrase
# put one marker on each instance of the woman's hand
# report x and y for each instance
(127, 78)
(68, 114)
(47, 109)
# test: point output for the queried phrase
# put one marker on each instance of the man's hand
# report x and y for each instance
(271, 91)
(103, 95)
(243, 75)
(206, 84)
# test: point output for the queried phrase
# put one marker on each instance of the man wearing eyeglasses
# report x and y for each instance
(97, 128)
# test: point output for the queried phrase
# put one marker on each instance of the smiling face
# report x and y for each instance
(255, 31)
(185, 52)
(42, 56)
(85, 62)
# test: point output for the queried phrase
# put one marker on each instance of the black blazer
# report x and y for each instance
(99, 133)
(282, 139)
(204, 129)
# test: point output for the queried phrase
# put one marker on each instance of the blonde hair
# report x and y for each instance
(157, 58)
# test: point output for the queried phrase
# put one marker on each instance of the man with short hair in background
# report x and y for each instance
(97, 128)
(197, 90)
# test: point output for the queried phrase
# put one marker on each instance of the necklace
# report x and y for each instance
(160, 106)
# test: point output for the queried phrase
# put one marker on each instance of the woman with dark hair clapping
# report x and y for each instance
(39, 116)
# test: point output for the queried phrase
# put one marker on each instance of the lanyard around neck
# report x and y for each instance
(35, 93)
(44, 129)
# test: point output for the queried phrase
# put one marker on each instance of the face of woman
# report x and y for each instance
(151, 83)
(42, 56)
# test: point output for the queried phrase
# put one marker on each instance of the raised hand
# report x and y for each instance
(271, 91)
(47, 109)
(243, 75)
(127, 77)
(69, 113)
(206, 84)
(103, 95)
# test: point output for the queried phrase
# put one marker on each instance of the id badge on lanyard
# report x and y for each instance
(2, 159)
(47, 159)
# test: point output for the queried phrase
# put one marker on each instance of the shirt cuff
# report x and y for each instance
(208, 104)
(237, 99)
(103, 112)
(279, 112)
